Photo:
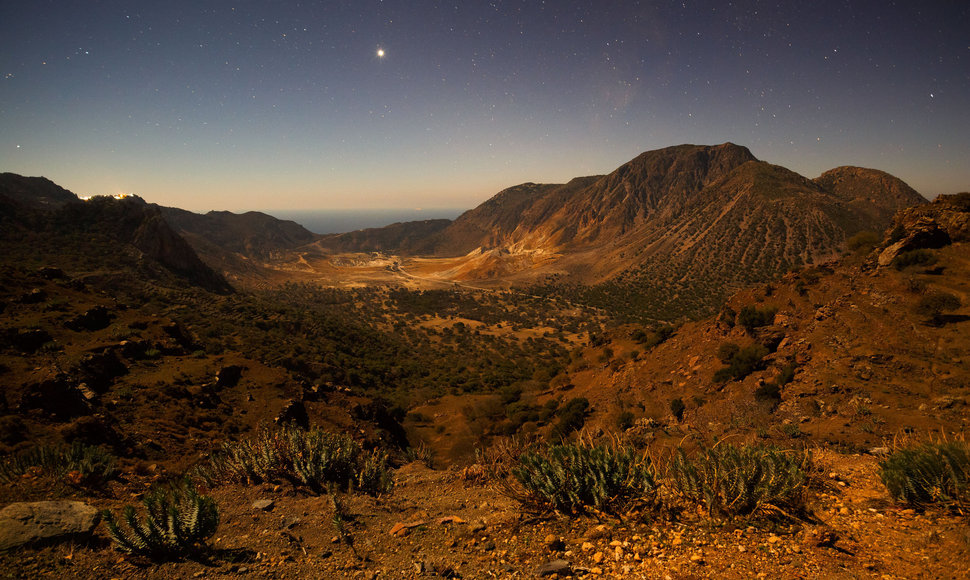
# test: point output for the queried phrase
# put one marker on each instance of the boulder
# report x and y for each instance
(46, 521)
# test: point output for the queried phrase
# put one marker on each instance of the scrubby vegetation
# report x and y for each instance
(932, 306)
(77, 464)
(740, 362)
(732, 481)
(914, 258)
(576, 478)
(752, 317)
(315, 459)
(929, 473)
(177, 523)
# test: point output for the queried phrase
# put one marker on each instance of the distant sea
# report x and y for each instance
(336, 221)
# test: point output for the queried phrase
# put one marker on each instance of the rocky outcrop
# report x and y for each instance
(950, 212)
(924, 233)
(41, 522)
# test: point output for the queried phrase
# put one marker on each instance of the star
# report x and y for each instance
(380, 53)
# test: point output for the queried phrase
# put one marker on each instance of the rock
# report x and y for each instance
(401, 529)
(263, 504)
(228, 376)
(879, 451)
(598, 557)
(819, 537)
(93, 319)
(600, 531)
(554, 543)
(560, 567)
(46, 521)
(450, 520)
(290, 522)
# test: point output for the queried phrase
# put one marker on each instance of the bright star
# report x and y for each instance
(380, 53)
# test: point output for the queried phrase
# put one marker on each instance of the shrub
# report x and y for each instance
(929, 473)
(786, 375)
(575, 478)
(77, 464)
(863, 241)
(914, 258)
(726, 352)
(768, 393)
(314, 458)
(177, 523)
(677, 408)
(741, 481)
(572, 417)
(751, 317)
(933, 305)
(744, 362)
(625, 420)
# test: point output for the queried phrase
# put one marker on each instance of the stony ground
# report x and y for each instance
(436, 524)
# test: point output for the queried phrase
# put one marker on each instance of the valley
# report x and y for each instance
(694, 297)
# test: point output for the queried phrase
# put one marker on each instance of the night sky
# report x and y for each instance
(282, 105)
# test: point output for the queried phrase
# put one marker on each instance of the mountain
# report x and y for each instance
(252, 233)
(34, 192)
(672, 231)
(41, 219)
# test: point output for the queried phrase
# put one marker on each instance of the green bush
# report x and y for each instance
(744, 362)
(576, 478)
(177, 523)
(751, 317)
(78, 464)
(929, 473)
(314, 458)
(748, 480)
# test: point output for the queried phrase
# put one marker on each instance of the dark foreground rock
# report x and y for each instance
(46, 521)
